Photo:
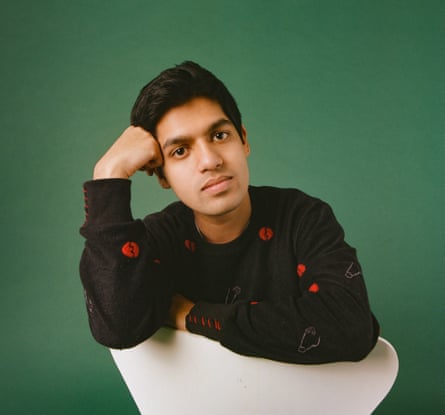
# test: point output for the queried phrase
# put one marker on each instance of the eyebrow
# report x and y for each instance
(181, 139)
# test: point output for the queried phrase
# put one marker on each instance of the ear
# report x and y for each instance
(161, 179)
(245, 141)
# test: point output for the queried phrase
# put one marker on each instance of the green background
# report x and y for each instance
(343, 99)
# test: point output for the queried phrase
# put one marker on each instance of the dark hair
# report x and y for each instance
(176, 86)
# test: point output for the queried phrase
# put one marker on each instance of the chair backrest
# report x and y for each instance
(178, 372)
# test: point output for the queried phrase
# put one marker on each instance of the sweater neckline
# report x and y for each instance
(224, 248)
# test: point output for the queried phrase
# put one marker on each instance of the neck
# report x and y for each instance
(224, 228)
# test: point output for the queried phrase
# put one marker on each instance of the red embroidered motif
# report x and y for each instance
(314, 288)
(85, 198)
(209, 322)
(190, 245)
(265, 233)
(130, 249)
(301, 269)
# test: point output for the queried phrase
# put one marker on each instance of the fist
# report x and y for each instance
(179, 309)
(136, 149)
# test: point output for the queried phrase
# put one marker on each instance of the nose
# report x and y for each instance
(208, 157)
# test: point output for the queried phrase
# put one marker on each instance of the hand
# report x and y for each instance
(136, 149)
(179, 309)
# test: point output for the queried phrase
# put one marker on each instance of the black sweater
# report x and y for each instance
(289, 288)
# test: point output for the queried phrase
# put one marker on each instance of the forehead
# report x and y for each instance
(190, 119)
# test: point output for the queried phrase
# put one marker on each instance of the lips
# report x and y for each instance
(217, 183)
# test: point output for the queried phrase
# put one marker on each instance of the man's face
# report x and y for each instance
(205, 160)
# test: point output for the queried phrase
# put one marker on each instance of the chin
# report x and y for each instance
(223, 209)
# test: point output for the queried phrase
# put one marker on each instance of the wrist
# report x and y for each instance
(179, 309)
(102, 171)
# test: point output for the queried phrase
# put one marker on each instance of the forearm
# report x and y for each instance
(301, 330)
(298, 330)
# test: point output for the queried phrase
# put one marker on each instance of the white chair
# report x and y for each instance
(177, 372)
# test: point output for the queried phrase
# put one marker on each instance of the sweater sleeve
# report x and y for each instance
(126, 291)
(329, 320)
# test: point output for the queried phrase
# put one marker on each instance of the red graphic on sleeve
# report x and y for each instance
(206, 322)
(265, 233)
(85, 197)
(314, 288)
(130, 249)
(301, 269)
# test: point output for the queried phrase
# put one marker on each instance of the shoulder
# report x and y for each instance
(169, 227)
(270, 196)
(175, 214)
(177, 209)
(289, 206)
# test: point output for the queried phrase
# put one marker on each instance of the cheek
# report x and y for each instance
(243, 166)
(179, 179)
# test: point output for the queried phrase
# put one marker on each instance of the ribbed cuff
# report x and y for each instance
(107, 201)
(208, 319)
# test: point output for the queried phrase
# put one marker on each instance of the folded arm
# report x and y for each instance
(330, 320)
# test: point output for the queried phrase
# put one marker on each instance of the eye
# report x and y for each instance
(179, 152)
(220, 135)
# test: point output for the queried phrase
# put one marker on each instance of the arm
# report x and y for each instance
(328, 320)
(126, 292)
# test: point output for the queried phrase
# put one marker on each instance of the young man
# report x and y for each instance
(265, 271)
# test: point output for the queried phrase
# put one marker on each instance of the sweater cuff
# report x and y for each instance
(207, 319)
(107, 201)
